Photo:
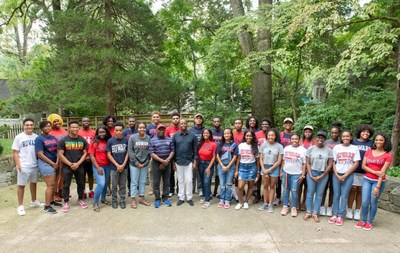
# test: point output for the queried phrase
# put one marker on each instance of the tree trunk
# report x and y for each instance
(396, 123)
(110, 101)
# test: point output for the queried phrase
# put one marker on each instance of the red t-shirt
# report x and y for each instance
(261, 138)
(112, 131)
(59, 134)
(307, 143)
(207, 150)
(376, 163)
(87, 134)
(171, 130)
(238, 137)
(98, 149)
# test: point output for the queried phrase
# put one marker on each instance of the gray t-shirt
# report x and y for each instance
(138, 150)
(319, 157)
(271, 152)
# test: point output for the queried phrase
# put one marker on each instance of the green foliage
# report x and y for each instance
(394, 171)
(5, 146)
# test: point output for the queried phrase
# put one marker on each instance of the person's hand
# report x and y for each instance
(376, 191)
(301, 178)
(99, 171)
(236, 174)
(174, 167)
(380, 173)
(208, 171)
(74, 166)
(165, 163)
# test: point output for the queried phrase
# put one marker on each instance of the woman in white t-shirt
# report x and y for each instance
(346, 157)
(293, 171)
(246, 168)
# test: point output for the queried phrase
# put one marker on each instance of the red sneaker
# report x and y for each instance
(360, 224)
(368, 227)
(91, 194)
(339, 221)
(332, 220)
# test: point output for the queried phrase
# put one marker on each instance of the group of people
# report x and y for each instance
(308, 168)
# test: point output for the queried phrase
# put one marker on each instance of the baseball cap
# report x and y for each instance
(322, 133)
(160, 126)
(198, 115)
(308, 127)
(287, 119)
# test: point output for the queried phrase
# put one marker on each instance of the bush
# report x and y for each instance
(394, 172)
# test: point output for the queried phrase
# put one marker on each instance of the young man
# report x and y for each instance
(87, 133)
(131, 129)
(117, 153)
(161, 151)
(217, 137)
(185, 146)
(238, 132)
(197, 130)
(169, 132)
(72, 151)
(25, 160)
(151, 130)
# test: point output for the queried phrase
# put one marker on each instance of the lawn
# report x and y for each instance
(6, 143)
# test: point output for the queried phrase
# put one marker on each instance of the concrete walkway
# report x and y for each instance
(182, 229)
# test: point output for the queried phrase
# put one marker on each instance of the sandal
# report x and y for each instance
(307, 216)
(144, 202)
(133, 204)
(96, 208)
(106, 202)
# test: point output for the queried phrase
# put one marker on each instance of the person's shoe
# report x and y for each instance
(322, 211)
(357, 214)
(191, 203)
(332, 220)
(206, 205)
(21, 210)
(85, 195)
(180, 202)
(349, 214)
(307, 216)
(245, 206)
(96, 208)
(66, 207)
(220, 204)
(201, 201)
(106, 202)
(157, 204)
(114, 204)
(238, 206)
(227, 205)
(167, 202)
(54, 203)
(368, 227)
(315, 217)
(270, 208)
(277, 201)
(257, 199)
(36, 203)
(339, 221)
(262, 207)
(200, 193)
(329, 211)
(360, 224)
(50, 210)
(82, 204)
(293, 212)
(122, 204)
(91, 194)
(170, 194)
(285, 210)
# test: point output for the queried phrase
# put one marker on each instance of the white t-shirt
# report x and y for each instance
(25, 144)
(246, 154)
(345, 156)
(294, 158)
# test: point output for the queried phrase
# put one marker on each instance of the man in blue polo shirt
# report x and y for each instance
(161, 150)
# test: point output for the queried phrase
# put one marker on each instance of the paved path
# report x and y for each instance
(183, 229)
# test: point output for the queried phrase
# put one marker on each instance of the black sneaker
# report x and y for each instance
(53, 203)
(191, 203)
(49, 209)
(122, 204)
(114, 204)
(180, 202)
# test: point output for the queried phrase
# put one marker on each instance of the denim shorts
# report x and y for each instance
(247, 171)
(45, 169)
(273, 173)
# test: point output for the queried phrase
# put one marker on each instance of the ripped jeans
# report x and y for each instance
(226, 182)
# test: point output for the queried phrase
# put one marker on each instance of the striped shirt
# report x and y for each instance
(161, 147)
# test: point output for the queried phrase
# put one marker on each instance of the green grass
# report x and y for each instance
(6, 144)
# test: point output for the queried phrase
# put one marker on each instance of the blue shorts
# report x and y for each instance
(247, 171)
(45, 169)
(273, 173)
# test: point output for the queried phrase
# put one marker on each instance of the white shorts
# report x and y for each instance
(27, 174)
(358, 179)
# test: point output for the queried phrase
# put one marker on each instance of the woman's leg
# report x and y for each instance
(266, 185)
(272, 186)
(142, 181)
(222, 181)
(345, 189)
(250, 185)
(374, 202)
(358, 197)
(100, 182)
(321, 185)
(241, 185)
(134, 180)
(50, 184)
(294, 188)
(286, 191)
(106, 170)
(366, 199)
(310, 193)
(336, 195)
(229, 184)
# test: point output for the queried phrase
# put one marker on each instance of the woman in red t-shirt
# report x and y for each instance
(375, 163)
(207, 154)
(101, 165)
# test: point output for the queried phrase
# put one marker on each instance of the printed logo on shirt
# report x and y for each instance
(74, 145)
(142, 144)
(118, 148)
(345, 158)
(51, 144)
(291, 157)
(27, 143)
(246, 154)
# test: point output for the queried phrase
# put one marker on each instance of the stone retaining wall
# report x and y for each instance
(8, 171)
(390, 198)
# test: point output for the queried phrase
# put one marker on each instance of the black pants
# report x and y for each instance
(157, 175)
(79, 175)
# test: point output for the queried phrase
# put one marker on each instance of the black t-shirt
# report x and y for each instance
(73, 148)
(118, 149)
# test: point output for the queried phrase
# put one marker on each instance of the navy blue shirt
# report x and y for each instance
(185, 146)
(363, 147)
(118, 149)
(196, 131)
(217, 135)
(128, 132)
(47, 144)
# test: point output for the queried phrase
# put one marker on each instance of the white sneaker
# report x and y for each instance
(21, 210)
(277, 201)
(245, 206)
(238, 206)
(322, 211)
(200, 193)
(349, 214)
(36, 203)
(329, 211)
(357, 214)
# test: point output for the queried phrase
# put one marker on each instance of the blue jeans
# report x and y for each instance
(290, 185)
(369, 201)
(341, 194)
(316, 188)
(101, 182)
(226, 182)
(205, 180)
(138, 177)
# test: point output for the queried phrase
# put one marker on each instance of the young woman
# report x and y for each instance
(319, 164)
(138, 152)
(247, 168)
(251, 124)
(375, 163)
(364, 143)
(293, 171)
(46, 150)
(271, 153)
(226, 156)
(207, 154)
(346, 158)
(101, 165)
(331, 143)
